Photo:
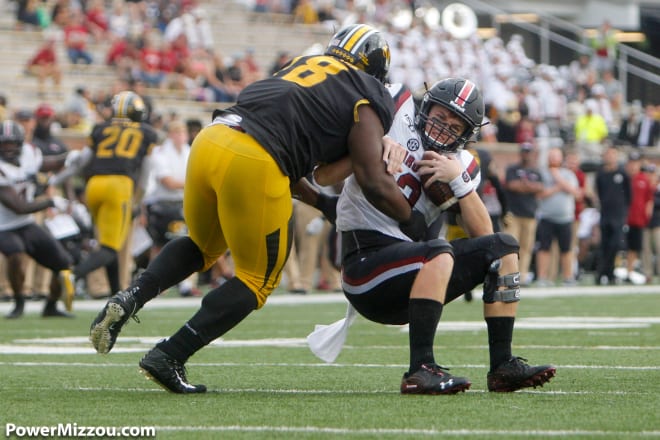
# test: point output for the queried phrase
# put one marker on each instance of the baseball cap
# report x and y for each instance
(635, 155)
(44, 111)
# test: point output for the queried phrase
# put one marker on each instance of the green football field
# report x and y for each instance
(265, 383)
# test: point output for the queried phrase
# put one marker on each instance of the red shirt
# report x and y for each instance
(75, 36)
(642, 195)
(150, 59)
(97, 16)
(46, 55)
(582, 184)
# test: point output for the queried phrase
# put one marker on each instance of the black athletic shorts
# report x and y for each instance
(37, 242)
(379, 271)
(165, 221)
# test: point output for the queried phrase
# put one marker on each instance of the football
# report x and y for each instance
(440, 194)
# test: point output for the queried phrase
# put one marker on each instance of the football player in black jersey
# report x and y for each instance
(244, 169)
(112, 161)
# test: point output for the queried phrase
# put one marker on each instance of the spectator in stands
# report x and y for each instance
(305, 12)
(96, 20)
(30, 12)
(629, 129)
(555, 214)
(603, 106)
(194, 24)
(60, 13)
(44, 65)
(649, 128)
(150, 62)
(590, 132)
(218, 81)
(525, 129)
(613, 91)
(604, 47)
(124, 55)
(249, 67)
(613, 191)
(76, 37)
(522, 183)
(282, 59)
(581, 71)
(118, 21)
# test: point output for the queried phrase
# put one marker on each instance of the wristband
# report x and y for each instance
(461, 185)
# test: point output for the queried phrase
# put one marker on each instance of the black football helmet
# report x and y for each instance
(128, 105)
(11, 141)
(460, 96)
(362, 46)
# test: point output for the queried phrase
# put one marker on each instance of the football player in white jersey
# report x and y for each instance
(19, 234)
(395, 274)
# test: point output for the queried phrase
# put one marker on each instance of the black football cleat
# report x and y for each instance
(17, 312)
(516, 374)
(433, 379)
(53, 312)
(168, 372)
(108, 323)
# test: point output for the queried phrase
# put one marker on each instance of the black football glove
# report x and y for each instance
(415, 227)
(328, 206)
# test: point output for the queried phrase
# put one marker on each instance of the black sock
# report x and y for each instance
(500, 334)
(222, 309)
(112, 271)
(182, 344)
(176, 261)
(424, 315)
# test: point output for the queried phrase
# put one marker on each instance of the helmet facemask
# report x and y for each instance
(440, 137)
(459, 99)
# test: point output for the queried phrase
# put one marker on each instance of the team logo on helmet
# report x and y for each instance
(362, 46)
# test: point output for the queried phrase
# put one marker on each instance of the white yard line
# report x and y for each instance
(338, 298)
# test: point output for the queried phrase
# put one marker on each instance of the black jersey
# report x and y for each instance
(303, 114)
(119, 147)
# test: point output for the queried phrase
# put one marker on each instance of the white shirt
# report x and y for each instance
(354, 211)
(166, 161)
(18, 177)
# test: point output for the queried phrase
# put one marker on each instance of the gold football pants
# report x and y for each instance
(109, 200)
(237, 198)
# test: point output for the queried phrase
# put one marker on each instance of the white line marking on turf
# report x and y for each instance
(411, 431)
(389, 390)
(310, 365)
(283, 299)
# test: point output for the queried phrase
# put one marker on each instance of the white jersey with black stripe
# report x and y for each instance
(19, 178)
(354, 212)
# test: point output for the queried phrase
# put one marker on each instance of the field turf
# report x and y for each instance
(265, 383)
